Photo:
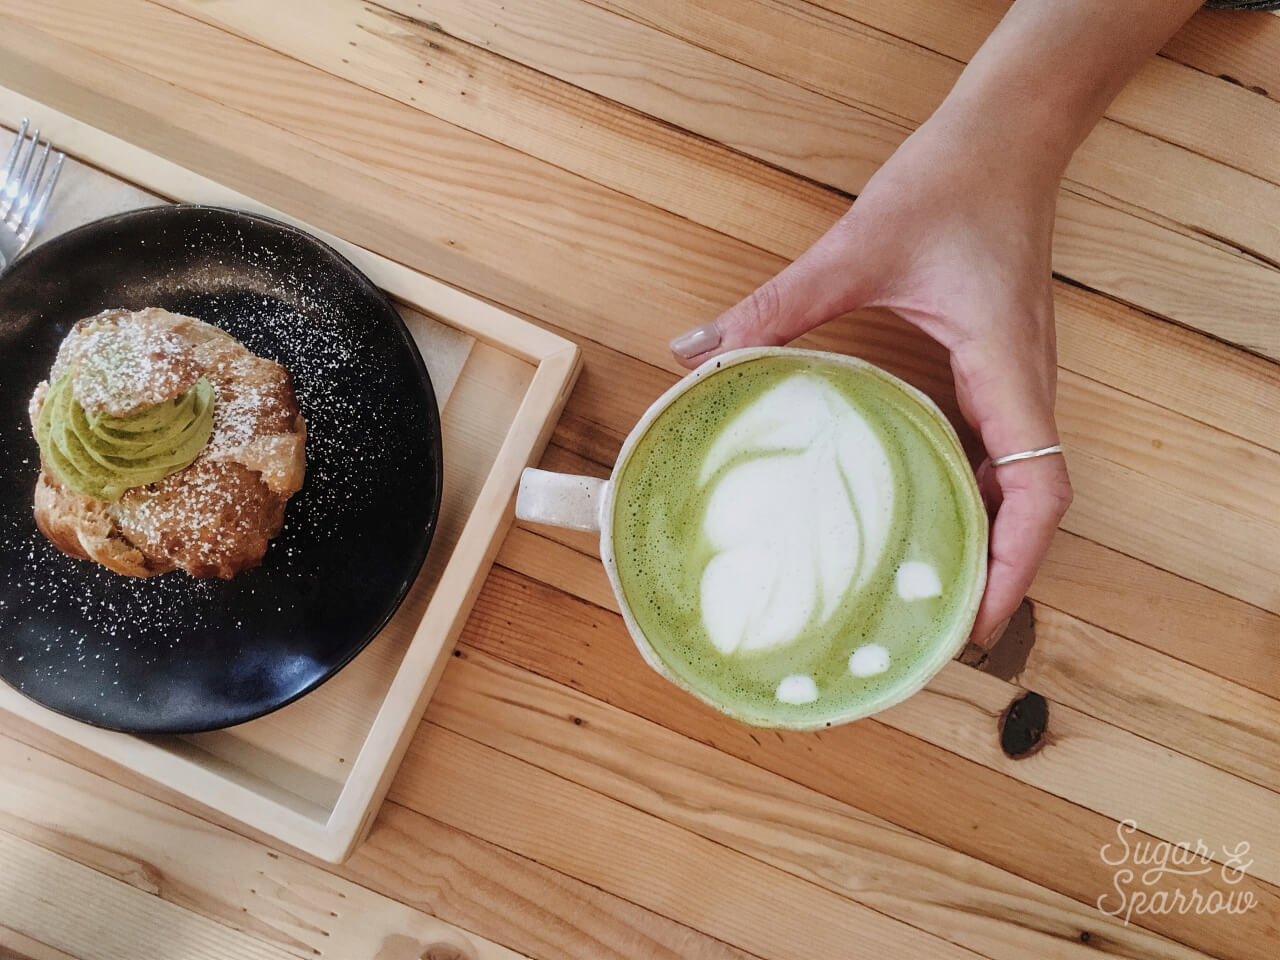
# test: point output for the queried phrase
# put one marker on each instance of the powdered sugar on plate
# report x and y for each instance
(171, 651)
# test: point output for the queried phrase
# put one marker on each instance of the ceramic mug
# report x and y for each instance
(588, 503)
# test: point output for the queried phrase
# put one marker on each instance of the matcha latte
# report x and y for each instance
(797, 537)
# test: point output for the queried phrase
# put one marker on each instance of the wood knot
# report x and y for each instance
(1023, 725)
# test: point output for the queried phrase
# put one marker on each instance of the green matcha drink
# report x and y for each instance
(799, 538)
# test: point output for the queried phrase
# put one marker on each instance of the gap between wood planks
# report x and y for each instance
(1242, 416)
(552, 634)
(1232, 316)
(664, 773)
(1241, 714)
(956, 30)
(663, 707)
(409, 859)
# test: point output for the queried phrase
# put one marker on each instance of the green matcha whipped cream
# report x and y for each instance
(122, 440)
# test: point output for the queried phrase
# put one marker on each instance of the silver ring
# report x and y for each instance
(1027, 455)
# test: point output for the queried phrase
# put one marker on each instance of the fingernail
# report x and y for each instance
(698, 340)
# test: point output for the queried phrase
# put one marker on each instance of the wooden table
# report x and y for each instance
(620, 170)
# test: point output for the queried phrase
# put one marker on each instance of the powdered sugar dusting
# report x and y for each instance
(348, 537)
(120, 368)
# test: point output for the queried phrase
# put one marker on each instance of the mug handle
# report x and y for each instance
(561, 499)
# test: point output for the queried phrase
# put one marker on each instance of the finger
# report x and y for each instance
(1036, 494)
(819, 285)
(989, 486)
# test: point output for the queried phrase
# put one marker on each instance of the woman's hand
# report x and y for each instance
(957, 242)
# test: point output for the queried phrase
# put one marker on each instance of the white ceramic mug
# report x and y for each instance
(587, 504)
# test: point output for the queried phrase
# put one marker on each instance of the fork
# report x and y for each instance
(24, 191)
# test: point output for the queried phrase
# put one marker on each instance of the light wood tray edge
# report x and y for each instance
(557, 363)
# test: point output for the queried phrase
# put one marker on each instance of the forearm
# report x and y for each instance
(1047, 73)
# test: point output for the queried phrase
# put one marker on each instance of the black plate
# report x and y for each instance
(170, 654)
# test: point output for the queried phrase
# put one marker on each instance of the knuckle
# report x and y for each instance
(763, 305)
(1061, 494)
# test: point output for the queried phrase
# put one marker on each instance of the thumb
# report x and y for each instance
(819, 285)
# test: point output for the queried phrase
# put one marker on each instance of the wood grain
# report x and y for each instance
(1214, 720)
(385, 52)
(95, 918)
(18, 946)
(143, 873)
(645, 859)
(839, 58)
(421, 863)
(1221, 723)
(871, 766)
(1202, 113)
(774, 820)
(527, 905)
(1132, 350)
(1172, 614)
(1102, 765)
(1239, 49)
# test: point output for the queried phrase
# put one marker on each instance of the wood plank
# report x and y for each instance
(643, 858)
(774, 820)
(1218, 467)
(1101, 765)
(1107, 345)
(1204, 114)
(386, 56)
(18, 946)
(95, 917)
(1160, 610)
(1167, 273)
(868, 765)
(89, 845)
(1136, 515)
(525, 905)
(1164, 700)
(427, 866)
(1215, 384)
(1239, 49)
(839, 58)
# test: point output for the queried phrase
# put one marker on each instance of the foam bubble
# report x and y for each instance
(869, 660)
(917, 580)
(797, 688)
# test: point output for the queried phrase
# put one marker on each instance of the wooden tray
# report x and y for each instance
(314, 773)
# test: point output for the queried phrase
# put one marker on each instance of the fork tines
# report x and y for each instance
(24, 188)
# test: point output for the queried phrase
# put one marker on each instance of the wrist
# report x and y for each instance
(1013, 151)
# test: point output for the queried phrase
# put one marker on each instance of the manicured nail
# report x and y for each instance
(696, 341)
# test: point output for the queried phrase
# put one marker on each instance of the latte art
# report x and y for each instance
(815, 482)
(798, 539)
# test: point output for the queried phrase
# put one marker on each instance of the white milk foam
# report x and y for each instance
(917, 580)
(869, 660)
(797, 688)
(799, 516)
